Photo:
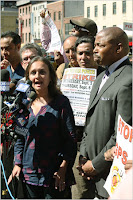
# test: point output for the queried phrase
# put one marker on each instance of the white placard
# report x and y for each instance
(55, 38)
(76, 85)
(123, 153)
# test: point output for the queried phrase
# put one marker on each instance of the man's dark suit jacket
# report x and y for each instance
(114, 98)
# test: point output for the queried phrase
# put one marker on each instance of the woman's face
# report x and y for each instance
(40, 76)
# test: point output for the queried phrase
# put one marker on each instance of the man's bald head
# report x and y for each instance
(116, 35)
(69, 48)
(111, 44)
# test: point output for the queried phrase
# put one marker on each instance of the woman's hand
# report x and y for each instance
(60, 176)
(15, 172)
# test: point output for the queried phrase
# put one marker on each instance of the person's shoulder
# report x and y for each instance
(60, 70)
(61, 67)
(61, 100)
(62, 97)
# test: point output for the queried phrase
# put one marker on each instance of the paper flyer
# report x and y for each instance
(123, 153)
(76, 85)
(55, 37)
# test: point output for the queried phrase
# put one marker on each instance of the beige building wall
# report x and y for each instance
(24, 23)
(56, 10)
(110, 19)
(36, 23)
(8, 21)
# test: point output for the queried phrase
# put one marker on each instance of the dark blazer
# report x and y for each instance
(114, 98)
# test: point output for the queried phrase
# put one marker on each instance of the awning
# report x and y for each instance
(130, 44)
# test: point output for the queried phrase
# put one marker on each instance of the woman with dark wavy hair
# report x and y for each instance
(49, 132)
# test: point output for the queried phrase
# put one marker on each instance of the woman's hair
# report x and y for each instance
(52, 88)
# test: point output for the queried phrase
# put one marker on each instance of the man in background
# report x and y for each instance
(10, 51)
(83, 27)
(29, 51)
(69, 49)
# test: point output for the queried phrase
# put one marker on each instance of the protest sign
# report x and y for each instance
(76, 85)
(123, 153)
(55, 38)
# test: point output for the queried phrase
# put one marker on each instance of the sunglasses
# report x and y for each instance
(26, 59)
(78, 28)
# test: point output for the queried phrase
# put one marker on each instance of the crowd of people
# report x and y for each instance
(57, 159)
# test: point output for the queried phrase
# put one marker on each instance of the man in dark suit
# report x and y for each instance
(111, 95)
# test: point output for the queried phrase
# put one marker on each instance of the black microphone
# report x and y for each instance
(32, 96)
(12, 86)
(4, 84)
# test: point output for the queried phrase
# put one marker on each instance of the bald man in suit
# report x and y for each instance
(111, 95)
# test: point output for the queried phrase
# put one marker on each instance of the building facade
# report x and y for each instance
(110, 13)
(56, 12)
(36, 21)
(24, 12)
(72, 10)
(9, 15)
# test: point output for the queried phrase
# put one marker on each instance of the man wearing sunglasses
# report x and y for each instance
(83, 27)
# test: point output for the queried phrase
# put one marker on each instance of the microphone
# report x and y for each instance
(12, 86)
(4, 84)
(32, 96)
(23, 89)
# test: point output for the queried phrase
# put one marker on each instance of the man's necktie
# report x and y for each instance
(107, 71)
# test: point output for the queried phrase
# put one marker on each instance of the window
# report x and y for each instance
(114, 25)
(35, 19)
(29, 9)
(29, 37)
(96, 11)
(88, 11)
(23, 23)
(114, 8)
(22, 37)
(39, 34)
(59, 15)
(38, 20)
(50, 14)
(29, 22)
(123, 6)
(26, 37)
(54, 16)
(104, 9)
(20, 11)
(104, 27)
(68, 28)
(26, 10)
(23, 11)
(26, 22)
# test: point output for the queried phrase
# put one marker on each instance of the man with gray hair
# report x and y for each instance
(29, 51)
